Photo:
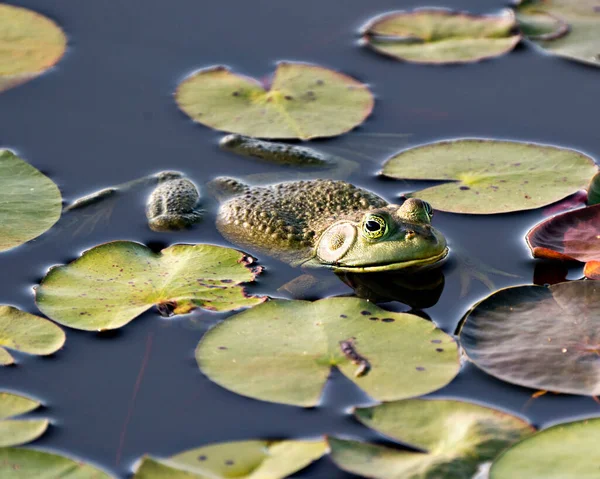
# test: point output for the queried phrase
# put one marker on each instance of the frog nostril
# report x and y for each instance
(410, 234)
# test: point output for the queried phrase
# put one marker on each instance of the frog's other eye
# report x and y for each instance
(428, 210)
(374, 227)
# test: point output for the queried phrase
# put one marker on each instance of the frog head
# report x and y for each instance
(382, 239)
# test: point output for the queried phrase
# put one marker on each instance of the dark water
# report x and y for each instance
(106, 115)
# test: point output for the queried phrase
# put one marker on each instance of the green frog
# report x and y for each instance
(328, 223)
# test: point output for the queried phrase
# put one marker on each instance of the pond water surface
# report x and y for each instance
(106, 115)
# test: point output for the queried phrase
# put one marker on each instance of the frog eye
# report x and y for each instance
(428, 210)
(374, 227)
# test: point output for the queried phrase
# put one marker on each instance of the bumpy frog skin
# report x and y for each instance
(173, 205)
(332, 224)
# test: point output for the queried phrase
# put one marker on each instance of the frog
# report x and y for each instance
(329, 224)
(174, 205)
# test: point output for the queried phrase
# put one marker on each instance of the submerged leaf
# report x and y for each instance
(30, 202)
(18, 431)
(17, 463)
(563, 451)
(242, 459)
(456, 437)
(283, 351)
(303, 101)
(540, 337)
(111, 284)
(490, 176)
(30, 44)
(567, 28)
(25, 332)
(441, 36)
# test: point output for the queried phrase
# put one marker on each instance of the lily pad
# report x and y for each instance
(441, 35)
(490, 176)
(31, 43)
(30, 202)
(111, 284)
(566, 28)
(283, 351)
(593, 190)
(455, 437)
(241, 459)
(18, 463)
(559, 452)
(540, 337)
(25, 332)
(303, 101)
(18, 431)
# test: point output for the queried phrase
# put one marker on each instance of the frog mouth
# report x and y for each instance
(410, 265)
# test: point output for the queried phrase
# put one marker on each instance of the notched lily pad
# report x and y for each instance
(303, 101)
(242, 459)
(18, 463)
(30, 202)
(490, 176)
(561, 451)
(30, 44)
(456, 437)
(566, 28)
(111, 284)
(540, 337)
(571, 236)
(283, 351)
(28, 333)
(14, 432)
(441, 36)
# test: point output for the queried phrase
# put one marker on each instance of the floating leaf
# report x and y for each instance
(456, 437)
(31, 43)
(571, 236)
(283, 351)
(566, 28)
(25, 332)
(593, 190)
(241, 459)
(490, 176)
(540, 337)
(303, 101)
(30, 202)
(17, 463)
(18, 431)
(563, 451)
(441, 36)
(111, 284)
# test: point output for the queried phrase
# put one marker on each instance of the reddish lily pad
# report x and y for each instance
(283, 351)
(455, 438)
(111, 284)
(30, 44)
(441, 36)
(570, 236)
(28, 333)
(254, 459)
(492, 176)
(303, 101)
(545, 338)
(566, 28)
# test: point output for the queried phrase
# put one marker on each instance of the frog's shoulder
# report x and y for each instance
(224, 188)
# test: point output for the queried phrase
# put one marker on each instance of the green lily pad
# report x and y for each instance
(31, 43)
(303, 101)
(441, 36)
(540, 337)
(18, 463)
(241, 459)
(25, 332)
(566, 28)
(30, 202)
(283, 351)
(456, 437)
(490, 176)
(18, 431)
(563, 451)
(111, 284)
